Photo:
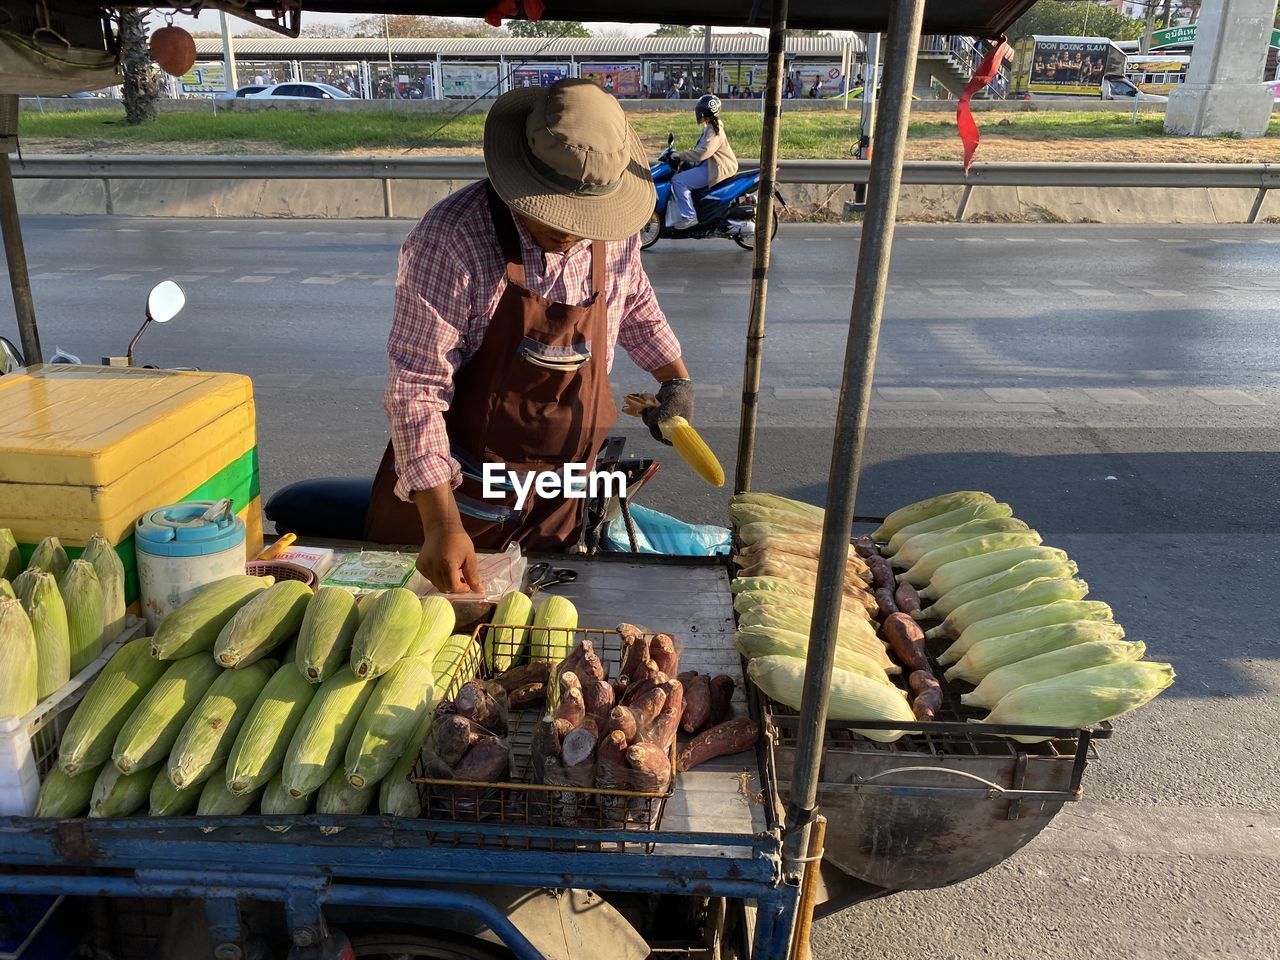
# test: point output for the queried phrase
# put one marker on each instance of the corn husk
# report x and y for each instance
(324, 639)
(923, 543)
(119, 688)
(847, 637)
(949, 576)
(401, 698)
(1055, 663)
(754, 593)
(43, 605)
(946, 521)
(760, 641)
(82, 596)
(49, 557)
(266, 622)
(502, 645)
(217, 801)
(18, 672)
(398, 796)
(6, 590)
(929, 507)
(166, 800)
(10, 557)
(338, 796)
(1059, 611)
(258, 752)
(152, 729)
(551, 636)
(62, 795)
(921, 572)
(853, 696)
(458, 657)
(1036, 593)
(1019, 573)
(279, 802)
(110, 570)
(321, 738)
(117, 794)
(388, 627)
(1084, 697)
(993, 653)
(206, 738)
(195, 625)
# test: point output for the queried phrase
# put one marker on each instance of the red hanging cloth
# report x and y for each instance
(985, 73)
(514, 10)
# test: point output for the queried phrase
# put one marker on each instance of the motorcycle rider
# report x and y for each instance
(709, 162)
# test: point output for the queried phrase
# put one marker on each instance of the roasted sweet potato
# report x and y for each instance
(906, 640)
(452, 736)
(635, 644)
(579, 746)
(488, 760)
(667, 722)
(927, 700)
(647, 706)
(622, 719)
(568, 681)
(865, 547)
(697, 702)
(882, 574)
(571, 708)
(884, 600)
(721, 698)
(662, 651)
(650, 766)
(522, 676)
(722, 740)
(906, 598)
(485, 703)
(527, 697)
(597, 697)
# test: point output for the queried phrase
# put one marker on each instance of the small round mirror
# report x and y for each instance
(165, 301)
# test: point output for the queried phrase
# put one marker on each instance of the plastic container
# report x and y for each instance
(182, 548)
(29, 744)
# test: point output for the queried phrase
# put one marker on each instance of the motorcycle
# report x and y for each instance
(726, 210)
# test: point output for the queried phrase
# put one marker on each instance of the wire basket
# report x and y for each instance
(521, 801)
(281, 570)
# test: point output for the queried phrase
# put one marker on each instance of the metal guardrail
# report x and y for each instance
(1251, 176)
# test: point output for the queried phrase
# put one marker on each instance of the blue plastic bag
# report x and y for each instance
(660, 534)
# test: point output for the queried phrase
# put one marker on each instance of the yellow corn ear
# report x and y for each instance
(82, 596)
(397, 796)
(918, 546)
(62, 795)
(1015, 621)
(929, 507)
(206, 738)
(166, 800)
(1018, 573)
(18, 673)
(388, 628)
(279, 802)
(117, 794)
(258, 752)
(693, 449)
(329, 626)
(401, 698)
(438, 620)
(6, 590)
(457, 657)
(49, 557)
(853, 696)
(504, 644)
(110, 570)
(945, 521)
(217, 801)
(318, 744)
(48, 615)
(1036, 593)
(262, 624)
(194, 626)
(10, 557)
(124, 681)
(761, 641)
(922, 570)
(998, 683)
(153, 727)
(781, 506)
(991, 654)
(338, 795)
(853, 633)
(551, 636)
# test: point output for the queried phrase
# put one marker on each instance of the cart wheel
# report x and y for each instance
(751, 243)
(419, 945)
(652, 230)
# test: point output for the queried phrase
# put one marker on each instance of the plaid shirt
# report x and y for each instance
(452, 274)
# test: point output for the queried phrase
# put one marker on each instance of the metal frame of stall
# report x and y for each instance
(164, 865)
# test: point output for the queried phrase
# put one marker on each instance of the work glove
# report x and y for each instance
(675, 399)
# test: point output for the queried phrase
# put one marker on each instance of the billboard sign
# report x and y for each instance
(620, 79)
(541, 75)
(204, 78)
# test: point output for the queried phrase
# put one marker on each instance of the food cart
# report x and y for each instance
(729, 863)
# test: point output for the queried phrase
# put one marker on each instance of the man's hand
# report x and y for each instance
(675, 399)
(448, 560)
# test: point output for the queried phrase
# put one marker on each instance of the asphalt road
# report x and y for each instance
(1118, 385)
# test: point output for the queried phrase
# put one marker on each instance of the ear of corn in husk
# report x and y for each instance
(1016, 621)
(693, 449)
(503, 644)
(388, 627)
(18, 672)
(929, 507)
(110, 570)
(438, 621)
(797, 621)
(457, 656)
(551, 636)
(6, 590)
(207, 737)
(796, 509)
(922, 570)
(317, 747)
(853, 696)
(949, 576)
(10, 557)
(401, 698)
(259, 749)
(761, 641)
(194, 626)
(279, 802)
(993, 653)
(49, 557)
(1033, 594)
(153, 727)
(48, 616)
(1055, 663)
(217, 801)
(398, 796)
(749, 514)
(166, 800)
(1019, 573)
(338, 796)
(328, 628)
(918, 546)
(1082, 698)
(82, 596)
(117, 794)
(801, 550)
(946, 521)
(62, 795)
(24, 581)
(119, 688)
(801, 597)
(264, 623)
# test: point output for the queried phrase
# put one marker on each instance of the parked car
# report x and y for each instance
(300, 91)
(244, 91)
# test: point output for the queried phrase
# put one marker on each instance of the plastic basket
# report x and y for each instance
(29, 744)
(281, 570)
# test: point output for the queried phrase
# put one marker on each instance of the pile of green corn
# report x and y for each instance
(256, 695)
(56, 616)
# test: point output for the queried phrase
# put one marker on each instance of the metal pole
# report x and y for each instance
(902, 44)
(771, 104)
(23, 306)
(228, 54)
(869, 85)
(391, 70)
(706, 59)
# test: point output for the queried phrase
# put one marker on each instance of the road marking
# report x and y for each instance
(253, 278)
(940, 282)
(920, 239)
(1070, 283)
(803, 291)
(80, 268)
(128, 230)
(85, 229)
(1071, 239)
(1115, 395)
(1171, 240)
(909, 394)
(803, 393)
(327, 280)
(319, 233)
(271, 233)
(668, 288)
(944, 291)
(1091, 292)
(1223, 240)
(176, 230)
(1016, 395)
(734, 288)
(1021, 239)
(1228, 398)
(368, 235)
(118, 276)
(817, 239)
(1123, 240)
(1021, 292)
(212, 269)
(1163, 293)
(276, 269)
(48, 276)
(224, 231)
(970, 239)
(385, 282)
(188, 277)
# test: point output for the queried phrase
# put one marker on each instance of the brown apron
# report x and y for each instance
(535, 396)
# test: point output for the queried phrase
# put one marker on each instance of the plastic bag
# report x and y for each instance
(658, 533)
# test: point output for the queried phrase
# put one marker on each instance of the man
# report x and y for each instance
(510, 298)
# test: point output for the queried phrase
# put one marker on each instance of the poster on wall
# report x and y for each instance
(541, 75)
(1069, 66)
(204, 78)
(620, 79)
(469, 79)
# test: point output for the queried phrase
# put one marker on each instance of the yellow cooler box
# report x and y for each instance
(87, 450)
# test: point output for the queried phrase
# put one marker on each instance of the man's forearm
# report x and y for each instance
(675, 370)
(437, 509)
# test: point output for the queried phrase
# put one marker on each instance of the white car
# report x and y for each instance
(299, 91)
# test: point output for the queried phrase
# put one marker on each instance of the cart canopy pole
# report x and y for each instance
(23, 306)
(763, 245)
(902, 42)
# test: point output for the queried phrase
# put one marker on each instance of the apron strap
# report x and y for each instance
(599, 265)
(504, 225)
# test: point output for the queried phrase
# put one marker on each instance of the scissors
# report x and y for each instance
(543, 575)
